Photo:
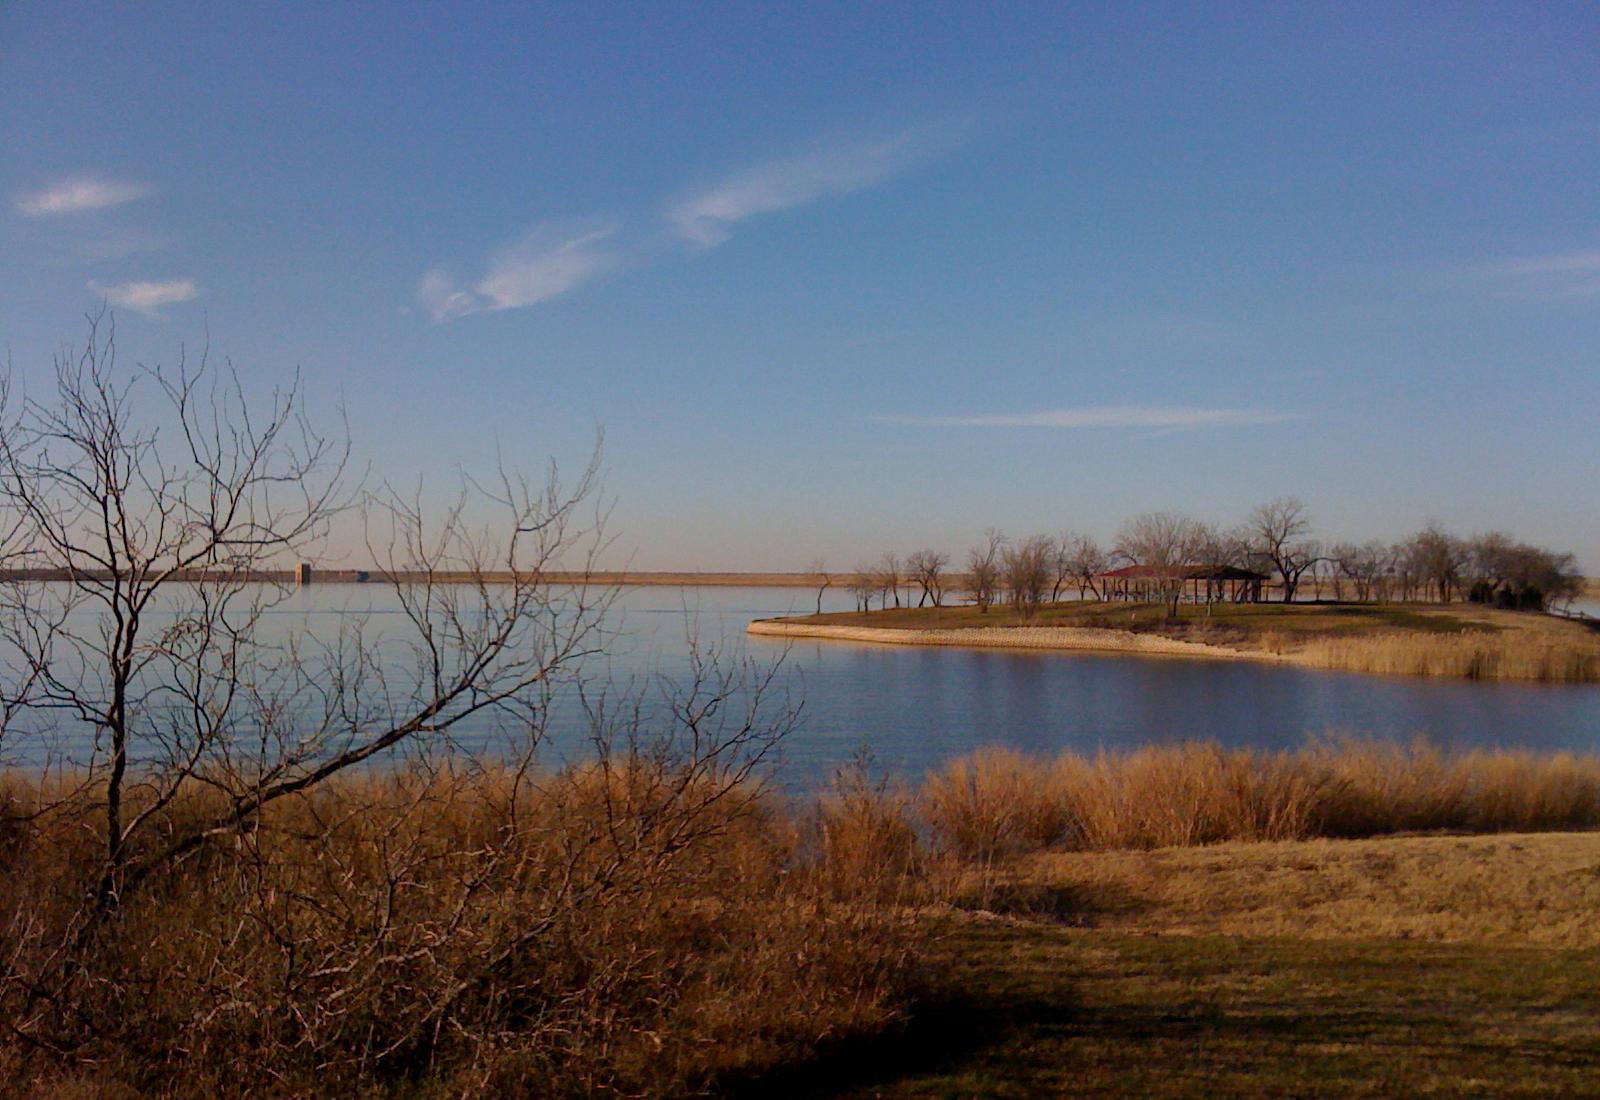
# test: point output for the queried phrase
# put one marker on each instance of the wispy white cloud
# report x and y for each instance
(76, 195)
(1556, 276)
(1105, 416)
(707, 217)
(443, 299)
(148, 297)
(544, 264)
(558, 257)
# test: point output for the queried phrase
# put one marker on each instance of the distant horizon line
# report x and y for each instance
(728, 578)
(725, 577)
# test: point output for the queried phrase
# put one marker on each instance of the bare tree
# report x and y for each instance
(1279, 528)
(1436, 560)
(117, 514)
(152, 516)
(1511, 574)
(237, 884)
(1084, 561)
(819, 569)
(1214, 548)
(864, 584)
(889, 578)
(983, 569)
(1060, 565)
(1366, 566)
(1406, 582)
(1026, 568)
(1165, 544)
(926, 568)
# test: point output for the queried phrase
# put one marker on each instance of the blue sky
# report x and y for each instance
(842, 278)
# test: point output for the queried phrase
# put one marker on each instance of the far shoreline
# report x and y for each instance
(610, 578)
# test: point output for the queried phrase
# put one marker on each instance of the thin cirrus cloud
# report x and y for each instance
(557, 257)
(75, 196)
(1106, 416)
(545, 263)
(707, 217)
(1557, 276)
(148, 297)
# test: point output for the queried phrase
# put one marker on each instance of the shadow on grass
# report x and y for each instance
(1075, 906)
(943, 1031)
(1039, 1010)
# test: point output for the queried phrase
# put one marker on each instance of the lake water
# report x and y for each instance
(915, 707)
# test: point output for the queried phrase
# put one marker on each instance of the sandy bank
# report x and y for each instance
(1087, 639)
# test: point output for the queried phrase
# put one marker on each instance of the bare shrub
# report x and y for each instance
(643, 923)
(267, 865)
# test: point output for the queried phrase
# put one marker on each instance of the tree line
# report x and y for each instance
(1276, 539)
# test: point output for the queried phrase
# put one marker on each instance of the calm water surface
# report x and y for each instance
(914, 707)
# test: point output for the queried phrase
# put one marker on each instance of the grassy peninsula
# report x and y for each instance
(1453, 640)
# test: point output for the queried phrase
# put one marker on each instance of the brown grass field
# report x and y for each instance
(1184, 955)
(1419, 966)
(1350, 919)
(1452, 640)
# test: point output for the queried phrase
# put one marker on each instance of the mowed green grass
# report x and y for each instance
(1299, 619)
(1422, 966)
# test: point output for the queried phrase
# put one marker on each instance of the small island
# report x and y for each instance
(1488, 607)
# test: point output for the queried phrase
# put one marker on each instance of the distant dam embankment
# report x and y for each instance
(319, 575)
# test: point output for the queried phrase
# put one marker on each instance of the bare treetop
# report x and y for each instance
(1165, 542)
(1279, 529)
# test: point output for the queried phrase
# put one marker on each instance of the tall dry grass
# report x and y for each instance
(623, 929)
(864, 841)
(1473, 655)
(992, 803)
(999, 802)
(626, 927)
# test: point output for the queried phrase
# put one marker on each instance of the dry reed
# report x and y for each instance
(864, 839)
(992, 803)
(1473, 655)
(999, 802)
